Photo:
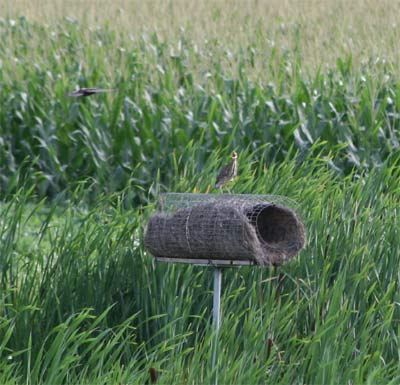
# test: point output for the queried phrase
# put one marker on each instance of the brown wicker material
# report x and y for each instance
(226, 227)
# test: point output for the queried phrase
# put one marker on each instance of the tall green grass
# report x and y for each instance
(82, 301)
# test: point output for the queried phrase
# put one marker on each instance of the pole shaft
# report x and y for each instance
(216, 313)
(217, 298)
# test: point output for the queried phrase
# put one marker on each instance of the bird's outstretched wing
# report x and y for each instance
(87, 92)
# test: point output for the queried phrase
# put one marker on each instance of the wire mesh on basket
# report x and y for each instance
(262, 229)
(173, 201)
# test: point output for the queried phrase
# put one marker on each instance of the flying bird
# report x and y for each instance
(228, 172)
(87, 92)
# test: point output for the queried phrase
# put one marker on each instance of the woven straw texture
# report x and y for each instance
(229, 227)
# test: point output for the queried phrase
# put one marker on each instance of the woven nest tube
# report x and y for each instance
(234, 229)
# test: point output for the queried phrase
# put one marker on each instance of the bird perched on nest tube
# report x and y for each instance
(228, 173)
(87, 92)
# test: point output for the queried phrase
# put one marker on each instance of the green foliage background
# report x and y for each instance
(83, 302)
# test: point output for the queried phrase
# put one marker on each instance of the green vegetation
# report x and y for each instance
(81, 301)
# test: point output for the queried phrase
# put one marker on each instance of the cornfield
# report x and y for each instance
(309, 97)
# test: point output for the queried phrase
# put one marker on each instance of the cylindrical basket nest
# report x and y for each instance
(241, 228)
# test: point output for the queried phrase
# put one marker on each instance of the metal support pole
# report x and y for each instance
(216, 315)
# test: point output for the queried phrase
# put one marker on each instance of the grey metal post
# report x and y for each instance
(216, 315)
